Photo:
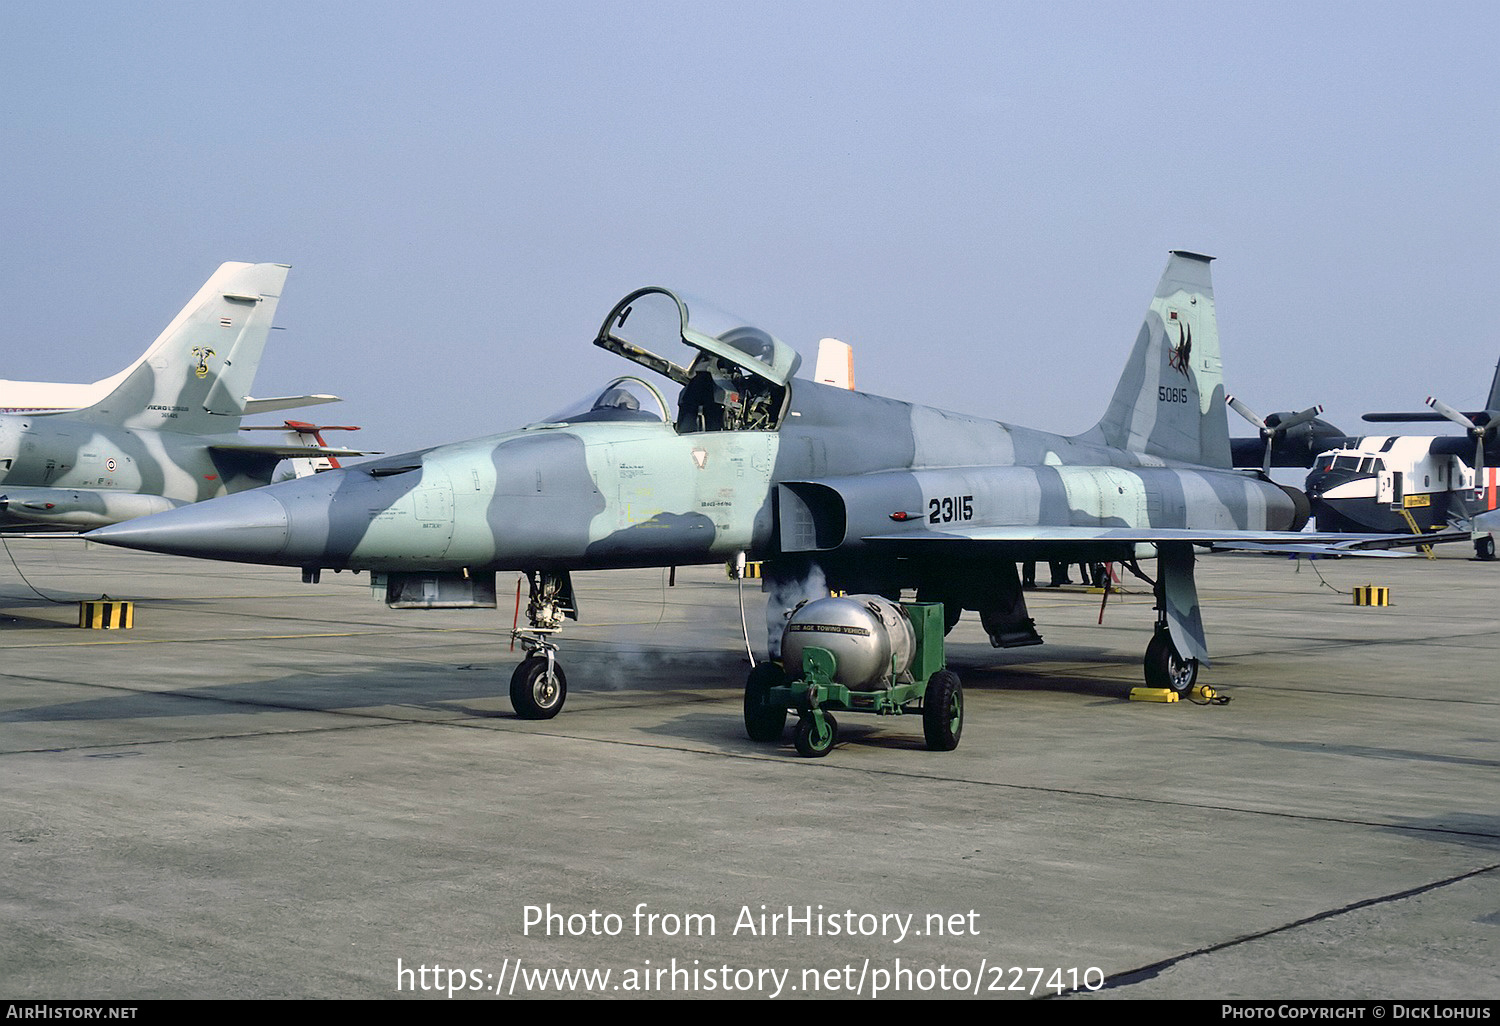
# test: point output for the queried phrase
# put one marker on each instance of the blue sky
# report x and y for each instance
(979, 197)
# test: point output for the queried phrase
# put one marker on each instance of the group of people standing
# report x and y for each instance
(1090, 574)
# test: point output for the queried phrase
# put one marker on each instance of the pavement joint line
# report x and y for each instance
(373, 722)
(1301, 690)
(369, 720)
(1149, 972)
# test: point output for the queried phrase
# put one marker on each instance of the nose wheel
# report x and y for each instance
(538, 688)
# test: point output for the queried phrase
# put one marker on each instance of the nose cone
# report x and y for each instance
(250, 527)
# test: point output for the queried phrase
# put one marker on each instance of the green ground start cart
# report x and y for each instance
(829, 648)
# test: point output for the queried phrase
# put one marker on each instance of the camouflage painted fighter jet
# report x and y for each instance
(830, 487)
(163, 432)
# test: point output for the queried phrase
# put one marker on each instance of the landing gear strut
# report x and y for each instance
(1165, 667)
(539, 687)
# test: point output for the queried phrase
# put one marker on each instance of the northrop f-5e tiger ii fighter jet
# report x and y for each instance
(829, 487)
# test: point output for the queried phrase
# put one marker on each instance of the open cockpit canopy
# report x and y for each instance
(734, 375)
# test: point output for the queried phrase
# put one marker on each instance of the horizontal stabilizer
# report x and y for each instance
(287, 402)
(289, 452)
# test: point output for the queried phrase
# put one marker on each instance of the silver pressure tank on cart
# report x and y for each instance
(871, 638)
(860, 653)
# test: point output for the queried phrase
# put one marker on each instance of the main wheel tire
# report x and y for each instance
(943, 711)
(1165, 667)
(763, 721)
(812, 744)
(535, 693)
(1484, 548)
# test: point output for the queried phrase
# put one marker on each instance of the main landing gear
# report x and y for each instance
(1166, 667)
(539, 687)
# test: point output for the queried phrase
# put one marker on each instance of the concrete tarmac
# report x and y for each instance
(270, 789)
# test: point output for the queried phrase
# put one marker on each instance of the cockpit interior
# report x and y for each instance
(735, 377)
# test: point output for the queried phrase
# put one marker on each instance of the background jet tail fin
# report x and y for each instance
(835, 364)
(1170, 399)
(1493, 403)
(196, 375)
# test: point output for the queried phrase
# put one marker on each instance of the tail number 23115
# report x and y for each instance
(950, 508)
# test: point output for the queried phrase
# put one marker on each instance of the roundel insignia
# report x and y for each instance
(109, 465)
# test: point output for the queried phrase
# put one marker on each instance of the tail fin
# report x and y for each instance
(835, 364)
(1493, 403)
(196, 375)
(1170, 399)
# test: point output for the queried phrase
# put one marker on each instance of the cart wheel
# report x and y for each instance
(763, 721)
(536, 694)
(943, 711)
(812, 744)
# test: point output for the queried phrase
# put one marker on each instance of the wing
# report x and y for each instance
(1052, 538)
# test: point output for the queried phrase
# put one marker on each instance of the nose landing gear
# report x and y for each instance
(538, 687)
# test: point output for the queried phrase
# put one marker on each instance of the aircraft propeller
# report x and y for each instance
(1270, 432)
(1475, 431)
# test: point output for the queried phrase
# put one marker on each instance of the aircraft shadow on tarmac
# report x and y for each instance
(31, 623)
(882, 733)
(1367, 752)
(1468, 828)
(477, 689)
(376, 692)
(641, 675)
(1046, 671)
(1051, 669)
